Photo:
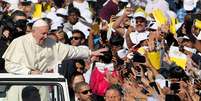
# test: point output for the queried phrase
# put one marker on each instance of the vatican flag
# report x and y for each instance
(178, 57)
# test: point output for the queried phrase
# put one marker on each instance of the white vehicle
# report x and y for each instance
(57, 84)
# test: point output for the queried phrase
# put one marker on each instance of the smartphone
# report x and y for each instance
(137, 57)
(166, 83)
(172, 98)
(153, 85)
(138, 77)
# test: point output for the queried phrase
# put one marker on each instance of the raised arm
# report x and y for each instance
(116, 26)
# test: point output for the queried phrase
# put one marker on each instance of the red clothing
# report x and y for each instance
(98, 82)
(108, 10)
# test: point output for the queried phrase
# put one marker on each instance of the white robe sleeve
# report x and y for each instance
(14, 58)
(16, 68)
(72, 52)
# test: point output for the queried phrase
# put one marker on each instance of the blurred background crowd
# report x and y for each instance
(154, 45)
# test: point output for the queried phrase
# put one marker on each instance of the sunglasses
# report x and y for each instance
(86, 92)
(76, 38)
(140, 21)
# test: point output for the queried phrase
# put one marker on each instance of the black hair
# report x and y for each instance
(78, 31)
(106, 57)
(117, 40)
(6, 21)
(177, 72)
(26, 3)
(103, 36)
(17, 13)
(81, 62)
(122, 5)
(74, 10)
(10, 23)
(30, 93)
(59, 3)
(188, 21)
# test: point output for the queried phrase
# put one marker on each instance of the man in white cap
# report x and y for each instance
(35, 53)
(140, 30)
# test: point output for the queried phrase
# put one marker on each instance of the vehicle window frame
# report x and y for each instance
(37, 83)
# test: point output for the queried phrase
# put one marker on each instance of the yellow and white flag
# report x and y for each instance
(37, 11)
(197, 23)
(178, 57)
(159, 16)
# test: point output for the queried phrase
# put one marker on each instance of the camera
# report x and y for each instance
(137, 57)
(7, 23)
(154, 85)
(175, 87)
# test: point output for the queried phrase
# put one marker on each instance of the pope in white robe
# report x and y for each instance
(35, 53)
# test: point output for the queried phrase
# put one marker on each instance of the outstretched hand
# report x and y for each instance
(99, 52)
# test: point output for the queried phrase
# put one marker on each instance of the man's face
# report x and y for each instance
(188, 44)
(27, 10)
(76, 39)
(198, 45)
(73, 18)
(140, 24)
(40, 34)
(79, 67)
(112, 95)
(85, 93)
(60, 37)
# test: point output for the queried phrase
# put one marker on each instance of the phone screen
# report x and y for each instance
(138, 77)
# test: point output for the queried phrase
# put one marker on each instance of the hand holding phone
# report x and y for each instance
(175, 87)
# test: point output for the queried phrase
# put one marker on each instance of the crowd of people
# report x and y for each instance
(108, 50)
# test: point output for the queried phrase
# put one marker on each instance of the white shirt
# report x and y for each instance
(84, 10)
(136, 37)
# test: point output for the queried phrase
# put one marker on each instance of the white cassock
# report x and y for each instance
(24, 54)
